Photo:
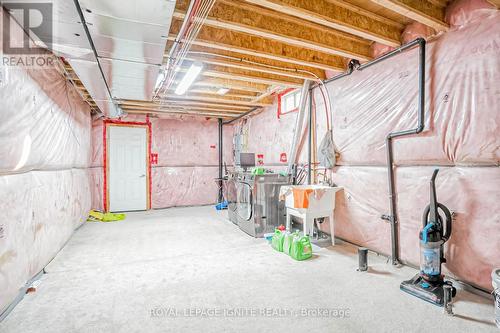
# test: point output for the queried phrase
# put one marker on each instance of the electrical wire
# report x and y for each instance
(194, 20)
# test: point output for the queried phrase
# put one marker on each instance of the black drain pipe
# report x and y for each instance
(220, 196)
(354, 64)
(393, 217)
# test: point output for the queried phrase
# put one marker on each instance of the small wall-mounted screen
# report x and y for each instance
(247, 160)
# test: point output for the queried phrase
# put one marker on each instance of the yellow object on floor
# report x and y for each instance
(96, 216)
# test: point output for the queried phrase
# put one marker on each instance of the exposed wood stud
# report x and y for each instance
(256, 46)
(336, 17)
(251, 67)
(419, 10)
(495, 3)
(252, 21)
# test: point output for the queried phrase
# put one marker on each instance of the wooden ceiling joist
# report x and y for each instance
(421, 11)
(250, 67)
(255, 46)
(185, 104)
(180, 109)
(210, 54)
(192, 97)
(214, 92)
(370, 14)
(495, 3)
(229, 17)
(337, 17)
(181, 113)
(238, 75)
(207, 82)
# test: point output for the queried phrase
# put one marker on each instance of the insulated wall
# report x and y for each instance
(44, 182)
(461, 137)
(187, 167)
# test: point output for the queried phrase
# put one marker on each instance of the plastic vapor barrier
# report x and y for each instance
(44, 181)
(461, 138)
(187, 150)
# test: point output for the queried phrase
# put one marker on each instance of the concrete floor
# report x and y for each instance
(154, 271)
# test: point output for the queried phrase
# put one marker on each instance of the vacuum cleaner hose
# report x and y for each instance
(448, 219)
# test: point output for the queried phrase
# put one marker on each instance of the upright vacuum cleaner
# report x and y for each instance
(429, 284)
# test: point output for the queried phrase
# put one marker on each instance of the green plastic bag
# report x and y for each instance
(277, 240)
(301, 248)
(288, 240)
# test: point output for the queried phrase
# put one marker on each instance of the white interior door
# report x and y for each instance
(127, 168)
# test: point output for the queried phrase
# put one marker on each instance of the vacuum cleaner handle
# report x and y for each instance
(433, 217)
(445, 224)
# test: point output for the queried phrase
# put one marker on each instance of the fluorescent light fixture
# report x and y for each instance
(222, 91)
(189, 78)
(159, 80)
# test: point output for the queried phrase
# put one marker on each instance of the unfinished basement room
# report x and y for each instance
(249, 166)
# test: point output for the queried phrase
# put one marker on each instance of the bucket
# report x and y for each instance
(495, 281)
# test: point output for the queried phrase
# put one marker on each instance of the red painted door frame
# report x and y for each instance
(109, 122)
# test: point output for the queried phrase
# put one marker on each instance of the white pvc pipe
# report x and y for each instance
(304, 94)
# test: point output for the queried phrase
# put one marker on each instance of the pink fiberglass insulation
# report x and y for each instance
(462, 12)
(267, 135)
(460, 137)
(41, 213)
(44, 181)
(473, 249)
(461, 125)
(187, 149)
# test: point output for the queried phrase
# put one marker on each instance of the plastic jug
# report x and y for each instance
(288, 241)
(301, 248)
(277, 240)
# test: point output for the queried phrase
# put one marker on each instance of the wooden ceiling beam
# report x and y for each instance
(495, 3)
(250, 67)
(142, 108)
(238, 75)
(364, 12)
(214, 92)
(251, 21)
(212, 97)
(254, 46)
(219, 100)
(337, 17)
(181, 113)
(184, 103)
(266, 94)
(418, 10)
(208, 82)
(256, 63)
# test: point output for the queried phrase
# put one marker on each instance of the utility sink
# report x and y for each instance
(309, 197)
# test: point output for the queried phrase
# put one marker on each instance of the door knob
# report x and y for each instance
(142, 176)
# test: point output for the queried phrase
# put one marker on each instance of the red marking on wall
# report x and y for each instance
(283, 158)
(260, 159)
(154, 158)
